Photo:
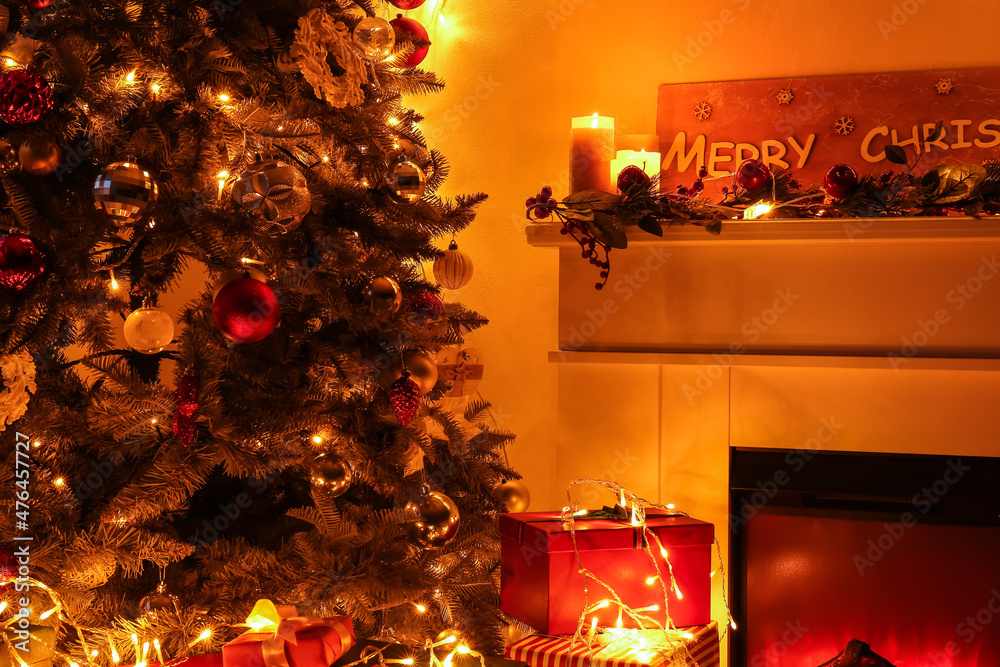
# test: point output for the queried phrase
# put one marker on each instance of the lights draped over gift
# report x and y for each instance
(629, 581)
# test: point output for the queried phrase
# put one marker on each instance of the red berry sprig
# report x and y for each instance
(541, 205)
(592, 249)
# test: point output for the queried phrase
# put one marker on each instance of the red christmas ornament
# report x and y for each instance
(38, 4)
(406, 4)
(840, 181)
(245, 310)
(752, 174)
(21, 262)
(8, 568)
(632, 176)
(426, 305)
(408, 30)
(404, 395)
(24, 97)
(186, 401)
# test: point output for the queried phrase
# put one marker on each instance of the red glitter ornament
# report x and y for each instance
(408, 30)
(8, 568)
(752, 174)
(427, 305)
(24, 97)
(405, 398)
(632, 176)
(840, 181)
(406, 4)
(245, 310)
(186, 400)
(21, 262)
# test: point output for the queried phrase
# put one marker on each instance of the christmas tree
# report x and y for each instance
(288, 437)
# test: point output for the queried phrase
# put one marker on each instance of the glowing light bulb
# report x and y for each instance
(593, 629)
(10, 62)
(677, 592)
(712, 574)
(393, 121)
(93, 654)
(153, 420)
(114, 654)
(155, 87)
(650, 581)
(462, 649)
(223, 97)
(37, 444)
(420, 608)
(663, 552)
(444, 22)
(758, 210)
(326, 158)
(732, 624)
(59, 481)
(317, 439)
(618, 623)
(407, 661)
(687, 635)
(670, 506)
(448, 640)
(205, 634)
(280, 128)
(579, 512)
(222, 176)
(130, 77)
(3, 605)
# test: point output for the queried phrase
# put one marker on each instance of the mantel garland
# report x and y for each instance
(598, 220)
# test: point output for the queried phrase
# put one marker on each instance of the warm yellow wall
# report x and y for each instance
(517, 70)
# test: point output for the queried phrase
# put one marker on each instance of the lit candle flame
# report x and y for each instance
(593, 123)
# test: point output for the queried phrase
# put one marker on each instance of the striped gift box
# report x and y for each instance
(548, 651)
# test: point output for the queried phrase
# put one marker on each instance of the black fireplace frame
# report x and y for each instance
(850, 485)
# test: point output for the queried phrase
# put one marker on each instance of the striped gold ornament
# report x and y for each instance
(453, 268)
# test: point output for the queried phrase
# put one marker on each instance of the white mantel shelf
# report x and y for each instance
(775, 360)
(798, 231)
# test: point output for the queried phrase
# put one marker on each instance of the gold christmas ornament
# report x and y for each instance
(423, 370)
(415, 153)
(124, 192)
(384, 294)
(248, 271)
(274, 192)
(319, 40)
(514, 495)
(18, 372)
(39, 155)
(330, 475)
(148, 330)
(407, 181)
(375, 37)
(432, 520)
(453, 268)
(160, 601)
(9, 162)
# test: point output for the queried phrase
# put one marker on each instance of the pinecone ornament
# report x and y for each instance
(405, 398)
(24, 97)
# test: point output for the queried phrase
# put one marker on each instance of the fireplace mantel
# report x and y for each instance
(878, 335)
(799, 231)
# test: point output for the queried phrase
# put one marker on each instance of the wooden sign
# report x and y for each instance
(810, 124)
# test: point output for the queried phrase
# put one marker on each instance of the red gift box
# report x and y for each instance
(290, 641)
(699, 647)
(541, 584)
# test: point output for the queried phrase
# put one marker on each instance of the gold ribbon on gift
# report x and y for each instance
(284, 622)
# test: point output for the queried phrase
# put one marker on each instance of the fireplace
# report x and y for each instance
(899, 551)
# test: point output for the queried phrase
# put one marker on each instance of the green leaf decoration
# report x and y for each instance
(604, 230)
(592, 199)
(652, 225)
(958, 182)
(895, 154)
